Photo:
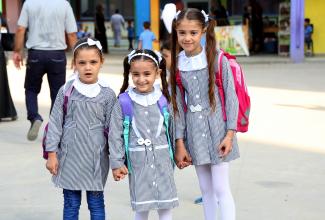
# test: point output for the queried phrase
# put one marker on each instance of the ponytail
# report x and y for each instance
(164, 83)
(211, 53)
(173, 67)
(125, 75)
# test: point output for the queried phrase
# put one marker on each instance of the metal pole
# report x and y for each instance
(297, 30)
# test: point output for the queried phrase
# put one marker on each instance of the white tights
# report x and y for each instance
(215, 189)
(164, 214)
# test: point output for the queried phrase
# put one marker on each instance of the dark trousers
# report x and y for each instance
(130, 43)
(72, 201)
(39, 62)
(7, 108)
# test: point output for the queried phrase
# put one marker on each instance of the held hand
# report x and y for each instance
(120, 173)
(182, 157)
(18, 59)
(225, 147)
(52, 163)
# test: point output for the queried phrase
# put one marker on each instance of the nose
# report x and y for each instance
(187, 37)
(88, 66)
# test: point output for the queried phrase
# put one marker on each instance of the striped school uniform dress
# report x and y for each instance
(203, 129)
(151, 180)
(80, 143)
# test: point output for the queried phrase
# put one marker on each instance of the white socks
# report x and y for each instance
(215, 189)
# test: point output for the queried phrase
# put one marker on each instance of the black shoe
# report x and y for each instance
(34, 128)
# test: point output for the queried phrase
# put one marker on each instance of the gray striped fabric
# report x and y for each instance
(83, 152)
(204, 130)
(151, 183)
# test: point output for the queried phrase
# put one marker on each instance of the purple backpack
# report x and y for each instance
(65, 107)
(127, 111)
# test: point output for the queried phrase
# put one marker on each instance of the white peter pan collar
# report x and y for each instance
(196, 62)
(147, 98)
(88, 90)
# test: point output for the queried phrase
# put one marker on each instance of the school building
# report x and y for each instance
(149, 10)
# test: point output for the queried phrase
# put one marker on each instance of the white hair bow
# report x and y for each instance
(167, 15)
(92, 42)
(206, 16)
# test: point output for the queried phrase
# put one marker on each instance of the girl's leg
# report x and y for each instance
(72, 201)
(165, 214)
(220, 179)
(95, 200)
(141, 215)
(209, 199)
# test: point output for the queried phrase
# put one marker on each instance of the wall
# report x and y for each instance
(314, 9)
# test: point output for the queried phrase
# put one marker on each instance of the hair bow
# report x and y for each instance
(168, 15)
(206, 16)
(130, 55)
(158, 55)
(92, 42)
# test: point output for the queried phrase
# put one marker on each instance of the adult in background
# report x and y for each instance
(100, 29)
(7, 108)
(48, 21)
(117, 21)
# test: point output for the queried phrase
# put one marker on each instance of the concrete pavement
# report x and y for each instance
(280, 175)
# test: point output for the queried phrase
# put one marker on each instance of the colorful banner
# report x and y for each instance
(232, 39)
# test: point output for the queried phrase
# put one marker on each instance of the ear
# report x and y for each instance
(205, 29)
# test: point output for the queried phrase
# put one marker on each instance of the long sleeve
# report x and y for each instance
(115, 137)
(55, 129)
(179, 118)
(231, 100)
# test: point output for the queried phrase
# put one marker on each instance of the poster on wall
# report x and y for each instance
(232, 39)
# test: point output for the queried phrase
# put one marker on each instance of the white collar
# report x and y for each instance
(147, 98)
(88, 90)
(196, 62)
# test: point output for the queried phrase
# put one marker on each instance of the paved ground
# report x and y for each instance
(280, 175)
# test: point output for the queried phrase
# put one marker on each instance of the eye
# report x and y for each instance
(193, 33)
(93, 61)
(181, 32)
(135, 73)
(81, 62)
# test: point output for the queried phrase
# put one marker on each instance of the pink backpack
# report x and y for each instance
(240, 87)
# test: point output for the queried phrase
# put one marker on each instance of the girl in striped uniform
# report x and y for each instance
(210, 141)
(77, 146)
(149, 157)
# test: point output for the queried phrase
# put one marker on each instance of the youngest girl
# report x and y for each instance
(77, 146)
(148, 152)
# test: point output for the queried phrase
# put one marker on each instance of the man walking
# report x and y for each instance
(117, 21)
(48, 22)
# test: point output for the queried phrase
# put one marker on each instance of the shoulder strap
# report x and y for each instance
(67, 95)
(126, 105)
(163, 106)
(219, 82)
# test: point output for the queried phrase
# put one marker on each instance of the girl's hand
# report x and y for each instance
(182, 157)
(120, 173)
(52, 163)
(225, 146)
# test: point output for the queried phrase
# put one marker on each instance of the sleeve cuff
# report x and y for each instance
(116, 164)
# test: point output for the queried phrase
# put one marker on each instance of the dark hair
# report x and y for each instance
(146, 24)
(162, 66)
(77, 47)
(196, 15)
(117, 11)
(307, 20)
(165, 45)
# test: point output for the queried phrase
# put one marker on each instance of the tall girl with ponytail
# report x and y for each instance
(203, 138)
(144, 151)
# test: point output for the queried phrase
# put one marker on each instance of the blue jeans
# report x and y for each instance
(39, 62)
(72, 201)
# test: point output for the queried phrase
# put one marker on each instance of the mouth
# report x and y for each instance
(88, 74)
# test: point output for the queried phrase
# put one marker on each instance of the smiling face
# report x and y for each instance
(88, 62)
(189, 33)
(144, 73)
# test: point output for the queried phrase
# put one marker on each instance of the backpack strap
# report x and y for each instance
(163, 106)
(181, 89)
(219, 82)
(126, 105)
